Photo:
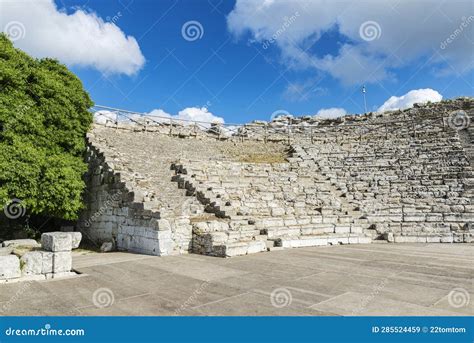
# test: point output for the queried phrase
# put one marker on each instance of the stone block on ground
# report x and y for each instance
(62, 262)
(76, 238)
(6, 251)
(21, 243)
(32, 263)
(47, 262)
(37, 262)
(56, 241)
(107, 247)
(9, 267)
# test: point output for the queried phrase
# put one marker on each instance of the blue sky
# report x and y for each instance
(236, 73)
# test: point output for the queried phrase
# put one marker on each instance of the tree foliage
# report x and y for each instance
(43, 121)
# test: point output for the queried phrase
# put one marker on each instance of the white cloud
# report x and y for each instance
(330, 113)
(186, 116)
(81, 38)
(199, 114)
(192, 114)
(302, 91)
(102, 117)
(410, 98)
(426, 25)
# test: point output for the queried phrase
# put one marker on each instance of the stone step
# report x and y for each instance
(316, 240)
(457, 237)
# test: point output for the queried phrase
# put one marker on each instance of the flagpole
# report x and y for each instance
(365, 101)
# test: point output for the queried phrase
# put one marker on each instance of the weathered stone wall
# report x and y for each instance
(115, 213)
(403, 176)
(412, 180)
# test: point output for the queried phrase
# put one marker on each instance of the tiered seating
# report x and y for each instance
(409, 184)
(281, 204)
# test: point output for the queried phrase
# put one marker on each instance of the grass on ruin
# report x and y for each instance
(86, 247)
(20, 250)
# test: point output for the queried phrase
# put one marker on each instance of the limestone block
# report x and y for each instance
(33, 277)
(62, 262)
(9, 267)
(32, 263)
(458, 237)
(353, 240)
(6, 251)
(328, 228)
(47, 262)
(315, 242)
(60, 275)
(164, 235)
(107, 247)
(76, 238)
(256, 246)
(447, 238)
(21, 242)
(151, 233)
(389, 237)
(433, 239)
(164, 224)
(338, 240)
(56, 241)
(414, 217)
(342, 229)
(468, 238)
(277, 211)
(400, 239)
(236, 250)
(356, 229)
(316, 220)
(457, 208)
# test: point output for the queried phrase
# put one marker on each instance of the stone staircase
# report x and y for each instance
(133, 202)
(267, 206)
(358, 179)
(411, 183)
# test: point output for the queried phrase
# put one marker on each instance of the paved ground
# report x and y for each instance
(376, 279)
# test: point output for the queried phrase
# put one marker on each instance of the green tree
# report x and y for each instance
(43, 121)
